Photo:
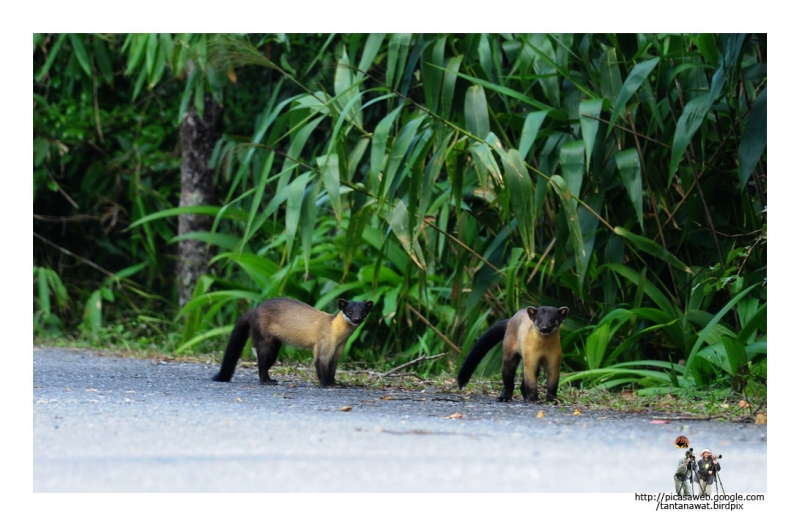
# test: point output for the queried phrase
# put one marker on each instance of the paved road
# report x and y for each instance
(107, 424)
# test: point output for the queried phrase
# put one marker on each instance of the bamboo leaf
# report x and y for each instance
(51, 56)
(635, 79)
(701, 339)
(533, 121)
(754, 138)
(431, 72)
(398, 220)
(521, 191)
(630, 169)
(610, 78)
(346, 90)
(654, 249)
(589, 111)
(294, 205)
(307, 219)
(572, 162)
(44, 292)
(476, 113)
(450, 77)
(569, 208)
(103, 60)
(371, 50)
(485, 163)
(378, 151)
(329, 167)
(689, 122)
(79, 49)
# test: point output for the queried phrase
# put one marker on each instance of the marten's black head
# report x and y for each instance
(355, 311)
(547, 320)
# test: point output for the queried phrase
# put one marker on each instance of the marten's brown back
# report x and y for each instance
(293, 322)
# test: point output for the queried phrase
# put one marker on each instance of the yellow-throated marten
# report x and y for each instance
(531, 335)
(285, 320)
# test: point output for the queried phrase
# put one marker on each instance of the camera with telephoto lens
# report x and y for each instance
(691, 454)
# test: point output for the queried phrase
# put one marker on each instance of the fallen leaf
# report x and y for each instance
(455, 415)
(238, 399)
(724, 406)
(346, 408)
(90, 390)
(659, 421)
(576, 412)
(387, 397)
(761, 419)
(628, 394)
(742, 403)
(540, 414)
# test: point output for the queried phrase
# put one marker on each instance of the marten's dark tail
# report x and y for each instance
(241, 331)
(490, 338)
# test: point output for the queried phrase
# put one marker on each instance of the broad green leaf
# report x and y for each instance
(93, 312)
(610, 78)
(533, 121)
(572, 161)
(754, 138)
(450, 77)
(138, 44)
(398, 52)
(631, 171)
(79, 49)
(307, 219)
(209, 210)
(589, 111)
(371, 49)
(329, 167)
(476, 112)
(294, 205)
(431, 75)
(654, 249)
(651, 290)
(569, 208)
(346, 90)
(151, 52)
(378, 151)
(398, 220)
(203, 336)
(689, 122)
(734, 349)
(485, 163)
(635, 79)
(521, 189)
(51, 57)
(701, 339)
(504, 90)
(400, 149)
(102, 60)
(44, 292)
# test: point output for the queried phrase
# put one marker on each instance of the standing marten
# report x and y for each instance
(531, 335)
(285, 320)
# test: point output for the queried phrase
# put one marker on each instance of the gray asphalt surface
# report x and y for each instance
(107, 424)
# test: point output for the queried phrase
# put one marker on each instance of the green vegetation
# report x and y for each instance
(452, 179)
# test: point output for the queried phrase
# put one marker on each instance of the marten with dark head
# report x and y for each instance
(286, 320)
(532, 336)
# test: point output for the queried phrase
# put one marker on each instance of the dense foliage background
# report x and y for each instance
(452, 179)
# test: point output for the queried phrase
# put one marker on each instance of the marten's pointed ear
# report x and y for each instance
(369, 304)
(342, 304)
(563, 311)
(531, 312)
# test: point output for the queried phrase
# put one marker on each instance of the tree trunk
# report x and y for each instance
(198, 138)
